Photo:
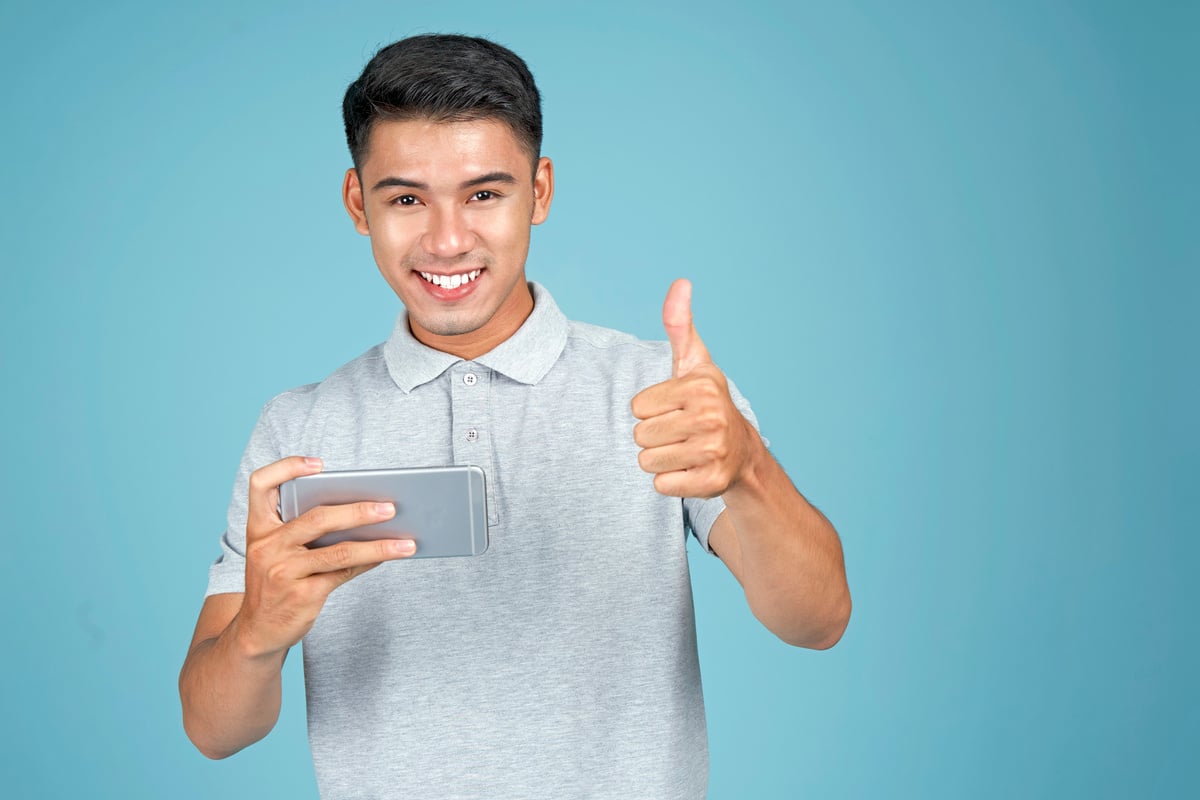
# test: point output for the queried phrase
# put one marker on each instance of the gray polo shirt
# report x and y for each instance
(562, 662)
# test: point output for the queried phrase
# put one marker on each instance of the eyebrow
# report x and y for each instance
(491, 177)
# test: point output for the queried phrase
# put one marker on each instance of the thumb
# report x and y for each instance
(687, 351)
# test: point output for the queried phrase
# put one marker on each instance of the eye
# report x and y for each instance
(405, 200)
(483, 194)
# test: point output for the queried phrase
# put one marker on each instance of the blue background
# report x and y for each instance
(940, 246)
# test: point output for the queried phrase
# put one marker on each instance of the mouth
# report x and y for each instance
(452, 287)
(450, 282)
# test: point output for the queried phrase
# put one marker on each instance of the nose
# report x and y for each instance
(448, 234)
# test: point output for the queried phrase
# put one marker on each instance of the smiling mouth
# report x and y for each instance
(450, 281)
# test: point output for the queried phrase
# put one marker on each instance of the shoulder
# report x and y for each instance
(347, 381)
(617, 352)
(607, 342)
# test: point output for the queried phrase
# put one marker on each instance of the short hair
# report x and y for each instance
(444, 78)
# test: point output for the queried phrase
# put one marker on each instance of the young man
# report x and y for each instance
(562, 662)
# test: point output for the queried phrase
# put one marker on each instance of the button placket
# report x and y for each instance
(469, 393)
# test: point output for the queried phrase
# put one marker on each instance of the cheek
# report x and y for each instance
(391, 238)
(505, 232)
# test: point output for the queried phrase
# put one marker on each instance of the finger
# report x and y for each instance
(318, 521)
(675, 484)
(263, 497)
(662, 430)
(660, 398)
(688, 483)
(670, 458)
(351, 558)
(703, 385)
(671, 483)
(687, 351)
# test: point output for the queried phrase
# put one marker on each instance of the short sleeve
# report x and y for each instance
(699, 513)
(228, 572)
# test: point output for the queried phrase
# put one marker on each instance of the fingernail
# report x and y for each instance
(405, 547)
(312, 462)
(385, 509)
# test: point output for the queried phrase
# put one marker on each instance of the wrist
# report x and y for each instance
(749, 481)
(246, 646)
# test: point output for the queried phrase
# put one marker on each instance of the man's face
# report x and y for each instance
(448, 207)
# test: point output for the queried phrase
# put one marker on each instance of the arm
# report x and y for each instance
(230, 696)
(783, 551)
(785, 554)
(230, 686)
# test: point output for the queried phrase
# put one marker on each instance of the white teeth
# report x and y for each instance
(450, 281)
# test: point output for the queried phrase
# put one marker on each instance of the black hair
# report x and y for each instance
(444, 78)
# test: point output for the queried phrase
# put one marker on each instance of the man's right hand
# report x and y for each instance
(286, 582)
(230, 685)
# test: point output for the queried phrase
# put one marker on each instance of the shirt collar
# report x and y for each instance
(526, 356)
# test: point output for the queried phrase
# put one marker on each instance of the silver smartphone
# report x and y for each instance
(444, 509)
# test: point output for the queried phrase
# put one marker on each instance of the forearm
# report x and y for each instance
(791, 564)
(230, 698)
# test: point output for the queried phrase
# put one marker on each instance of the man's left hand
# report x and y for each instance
(693, 438)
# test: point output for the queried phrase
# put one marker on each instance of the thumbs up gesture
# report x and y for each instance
(693, 438)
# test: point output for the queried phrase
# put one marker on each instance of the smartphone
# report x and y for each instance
(443, 509)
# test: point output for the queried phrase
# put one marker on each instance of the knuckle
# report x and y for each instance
(319, 517)
(704, 379)
(716, 450)
(338, 557)
(719, 481)
(710, 421)
(276, 573)
(255, 548)
(704, 486)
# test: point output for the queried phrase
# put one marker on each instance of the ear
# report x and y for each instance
(352, 196)
(543, 190)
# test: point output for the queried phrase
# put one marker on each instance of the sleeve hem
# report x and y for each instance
(703, 521)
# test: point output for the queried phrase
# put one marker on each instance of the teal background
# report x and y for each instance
(944, 248)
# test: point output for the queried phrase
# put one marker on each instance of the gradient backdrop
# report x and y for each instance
(942, 248)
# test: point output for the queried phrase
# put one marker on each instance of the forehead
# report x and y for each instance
(429, 151)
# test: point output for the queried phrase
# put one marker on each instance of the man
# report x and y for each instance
(561, 662)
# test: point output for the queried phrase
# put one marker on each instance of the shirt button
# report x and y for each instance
(469, 379)
(472, 434)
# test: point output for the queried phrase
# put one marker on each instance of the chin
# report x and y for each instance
(447, 324)
(449, 327)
